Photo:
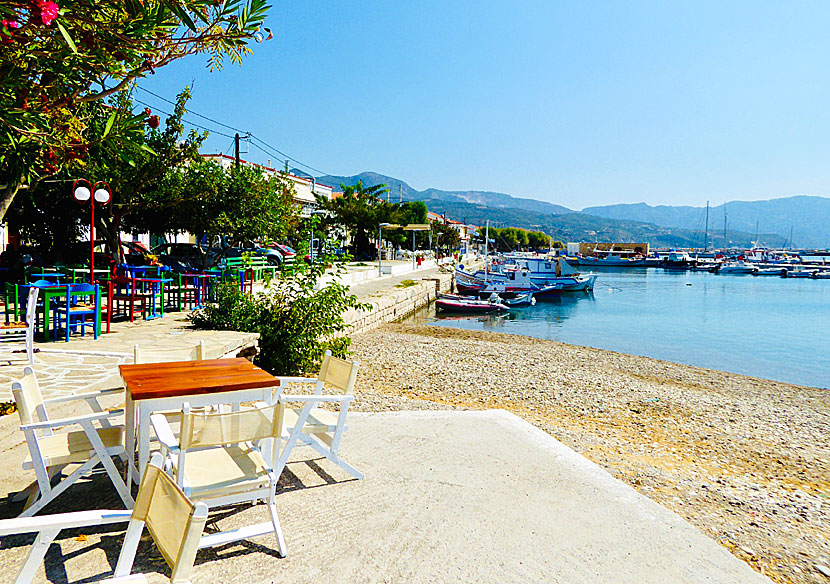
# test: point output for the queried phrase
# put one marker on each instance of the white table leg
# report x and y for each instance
(144, 412)
(129, 439)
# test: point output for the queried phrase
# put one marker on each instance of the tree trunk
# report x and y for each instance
(7, 193)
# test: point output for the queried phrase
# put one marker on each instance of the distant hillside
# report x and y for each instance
(398, 188)
(583, 227)
(661, 226)
(808, 216)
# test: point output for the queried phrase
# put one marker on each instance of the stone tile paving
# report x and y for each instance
(84, 364)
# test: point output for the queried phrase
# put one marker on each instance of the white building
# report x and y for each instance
(306, 188)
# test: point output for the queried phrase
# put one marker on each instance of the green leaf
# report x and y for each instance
(110, 122)
(66, 37)
(148, 149)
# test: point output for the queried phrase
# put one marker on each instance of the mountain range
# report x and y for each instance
(661, 226)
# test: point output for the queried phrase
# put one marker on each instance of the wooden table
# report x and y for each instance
(166, 386)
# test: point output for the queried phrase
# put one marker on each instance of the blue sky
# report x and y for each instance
(575, 103)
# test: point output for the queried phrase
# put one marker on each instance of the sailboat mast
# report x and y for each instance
(486, 243)
(791, 238)
(755, 243)
(706, 233)
(725, 242)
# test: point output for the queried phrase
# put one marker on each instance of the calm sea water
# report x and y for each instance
(767, 326)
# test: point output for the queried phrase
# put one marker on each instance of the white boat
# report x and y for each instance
(770, 272)
(678, 260)
(801, 273)
(613, 259)
(531, 274)
(521, 300)
(738, 267)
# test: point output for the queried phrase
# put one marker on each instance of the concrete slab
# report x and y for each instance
(448, 496)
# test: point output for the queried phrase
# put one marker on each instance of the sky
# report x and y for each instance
(575, 103)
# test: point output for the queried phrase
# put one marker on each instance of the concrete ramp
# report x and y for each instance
(476, 497)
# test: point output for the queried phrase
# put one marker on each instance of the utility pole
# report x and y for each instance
(236, 151)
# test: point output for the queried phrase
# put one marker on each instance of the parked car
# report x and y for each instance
(271, 255)
(133, 252)
(182, 257)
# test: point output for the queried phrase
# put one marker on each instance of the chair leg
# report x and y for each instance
(275, 521)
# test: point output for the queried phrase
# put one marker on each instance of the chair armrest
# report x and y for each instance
(164, 433)
(70, 421)
(318, 398)
(297, 380)
(90, 395)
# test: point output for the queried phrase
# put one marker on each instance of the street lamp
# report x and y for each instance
(99, 193)
(380, 238)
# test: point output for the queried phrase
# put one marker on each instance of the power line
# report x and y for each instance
(191, 111)
(184, 120)
(273, 150)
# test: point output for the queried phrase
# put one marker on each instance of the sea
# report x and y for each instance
(763, 326)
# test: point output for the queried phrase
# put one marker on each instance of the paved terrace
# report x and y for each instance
(448, 496)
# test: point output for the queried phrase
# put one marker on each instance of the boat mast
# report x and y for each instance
(706, 233)
(725, 242)
(791, 238)
(486, 242)
(755, 243)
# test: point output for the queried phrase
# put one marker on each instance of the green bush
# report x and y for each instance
(296, 323)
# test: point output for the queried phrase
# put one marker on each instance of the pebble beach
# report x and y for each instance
(746, 460)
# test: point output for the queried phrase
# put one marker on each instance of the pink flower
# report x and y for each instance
(8, 25)
(46, 10)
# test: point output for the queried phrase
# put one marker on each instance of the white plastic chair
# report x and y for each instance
(50, 453)
(175, 523)
(217, 460)
(23, 331)
(316, 427)
(186, 353)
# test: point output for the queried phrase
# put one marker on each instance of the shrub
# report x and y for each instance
(296, 323)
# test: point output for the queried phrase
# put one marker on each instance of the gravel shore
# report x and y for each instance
(746, 460)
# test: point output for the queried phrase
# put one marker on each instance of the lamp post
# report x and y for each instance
(99, 193)
(380, 238)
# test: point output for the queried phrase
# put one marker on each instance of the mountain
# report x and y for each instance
(661, 226)
(575, 226)
(807, 216)
(399, 189)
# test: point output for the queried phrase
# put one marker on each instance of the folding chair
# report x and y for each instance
(50, 453)
(217, 460)
(175, 523)
(313, 426)
(186, 353)
(23, 331)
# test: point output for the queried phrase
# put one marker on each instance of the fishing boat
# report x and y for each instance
(801, 273)
(737, 267)
(677, 260)
(521, 300)
(519, 275)
(819, 275)
(466, 304)
(781, 272)
(618, 259)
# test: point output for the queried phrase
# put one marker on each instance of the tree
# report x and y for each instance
(241, 205)
(56, 59)
(445, 237)
(359, 210)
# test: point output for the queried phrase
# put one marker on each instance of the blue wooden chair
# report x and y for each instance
(82, 301)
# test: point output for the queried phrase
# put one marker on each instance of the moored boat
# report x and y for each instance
(466, 304)
(738, 267)
(678, 260)
(526, 299)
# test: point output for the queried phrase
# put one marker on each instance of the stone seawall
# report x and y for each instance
(396, 303)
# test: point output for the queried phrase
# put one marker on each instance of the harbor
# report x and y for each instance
(774, 328)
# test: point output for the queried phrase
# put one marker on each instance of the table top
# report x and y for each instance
(182, 378)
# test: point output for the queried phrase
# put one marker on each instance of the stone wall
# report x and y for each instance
(397, 303)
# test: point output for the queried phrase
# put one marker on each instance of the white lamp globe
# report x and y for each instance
(102, 196)
(82, 194)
